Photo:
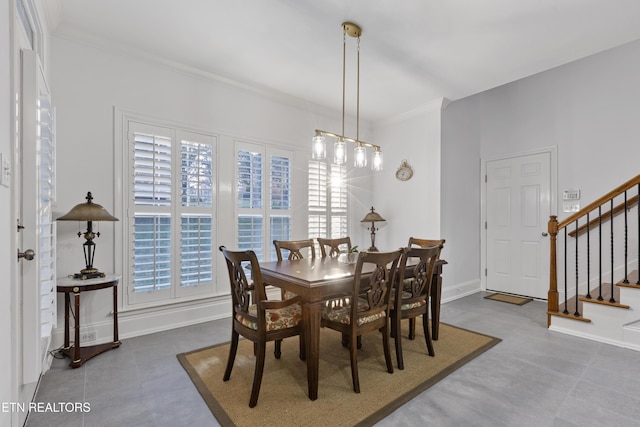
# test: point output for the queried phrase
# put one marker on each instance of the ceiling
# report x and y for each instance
(413, 52)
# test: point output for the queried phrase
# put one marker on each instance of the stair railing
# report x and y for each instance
(589, 225)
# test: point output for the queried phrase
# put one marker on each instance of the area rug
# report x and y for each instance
(283, 397)
(511, 299)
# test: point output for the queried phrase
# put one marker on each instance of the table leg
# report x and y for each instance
(76, 345)
(116, 341)
(67, 304)
(311, 313)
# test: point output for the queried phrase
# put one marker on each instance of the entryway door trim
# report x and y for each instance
(553, 155)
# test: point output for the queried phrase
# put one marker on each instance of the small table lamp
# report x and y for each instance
(373, 217)
(89, 212)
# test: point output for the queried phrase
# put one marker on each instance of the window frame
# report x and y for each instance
(325, 220)
(266, 211)
(176, 211)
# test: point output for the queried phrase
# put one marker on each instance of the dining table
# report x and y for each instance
(317, 280)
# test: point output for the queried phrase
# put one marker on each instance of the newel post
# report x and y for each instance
(552, 297)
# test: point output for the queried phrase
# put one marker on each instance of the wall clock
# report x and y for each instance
(404, 172)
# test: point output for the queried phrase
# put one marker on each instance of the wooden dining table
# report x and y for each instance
(321, 279)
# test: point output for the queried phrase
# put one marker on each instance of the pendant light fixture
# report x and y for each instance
(319, 149)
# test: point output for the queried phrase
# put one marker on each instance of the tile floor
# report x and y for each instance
(534, 377)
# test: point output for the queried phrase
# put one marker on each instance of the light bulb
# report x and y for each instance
(360, 157)
(319, 148)
(339, 152)
(376, 161)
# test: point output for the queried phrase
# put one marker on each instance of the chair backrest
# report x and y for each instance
(242, 291)
(374, 293)
(334, 245)
(419, 274)
(425, 243)
(294, 247)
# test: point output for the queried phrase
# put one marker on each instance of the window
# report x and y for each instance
(327, 200)
(171, 213)
(263, 174)
(46, 250)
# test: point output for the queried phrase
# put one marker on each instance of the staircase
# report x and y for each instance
(594, 289)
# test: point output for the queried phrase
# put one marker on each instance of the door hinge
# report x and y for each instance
(485, 225)
(485, 272)
(485, 177)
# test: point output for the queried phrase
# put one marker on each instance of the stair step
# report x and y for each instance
(568, 316)
(604, 292)
(633, 281)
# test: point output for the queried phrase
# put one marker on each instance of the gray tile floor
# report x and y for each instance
(534, 377)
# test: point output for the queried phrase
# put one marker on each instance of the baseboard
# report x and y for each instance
(460, 290)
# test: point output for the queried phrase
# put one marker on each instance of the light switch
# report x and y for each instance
(570, 207)
(5, 173)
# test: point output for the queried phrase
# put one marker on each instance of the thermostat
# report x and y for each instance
(571, 195)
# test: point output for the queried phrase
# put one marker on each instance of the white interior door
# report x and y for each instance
(28, 198)
(37, 232)
(518, 198)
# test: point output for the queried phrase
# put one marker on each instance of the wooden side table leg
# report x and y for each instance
(67, 304)
(116, 340)
(77, 360)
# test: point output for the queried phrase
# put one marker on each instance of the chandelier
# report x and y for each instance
(319, 148)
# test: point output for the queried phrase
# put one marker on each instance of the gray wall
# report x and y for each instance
(588, 109)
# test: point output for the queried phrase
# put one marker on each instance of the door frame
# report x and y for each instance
(21, 391)
(553, 192)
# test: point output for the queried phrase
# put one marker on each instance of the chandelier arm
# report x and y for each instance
(346, 138)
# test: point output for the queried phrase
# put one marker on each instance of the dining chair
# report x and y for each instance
(334, 246)
(422, 243)
(411, 295)
(368, 308)
(294, 248)
(256, 318)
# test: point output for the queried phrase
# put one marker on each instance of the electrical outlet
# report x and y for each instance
(87, 336)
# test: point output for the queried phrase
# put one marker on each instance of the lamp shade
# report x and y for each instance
(87, 211)
(372, 216)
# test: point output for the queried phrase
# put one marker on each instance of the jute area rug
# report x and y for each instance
(283, 397)
(511, 299)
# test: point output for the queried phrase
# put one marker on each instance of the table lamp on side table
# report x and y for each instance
(89, 212)
(373, 217)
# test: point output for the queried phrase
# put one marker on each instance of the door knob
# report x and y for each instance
(544, 234)
(29, 254)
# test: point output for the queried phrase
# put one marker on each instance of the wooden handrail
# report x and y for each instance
(605, 216)
(607, 197)
(554, 226)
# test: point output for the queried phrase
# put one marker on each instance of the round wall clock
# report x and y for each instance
(404, 172)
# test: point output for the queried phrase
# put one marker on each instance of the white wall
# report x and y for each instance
(411, 208)
(88, 82)
(460, 208)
